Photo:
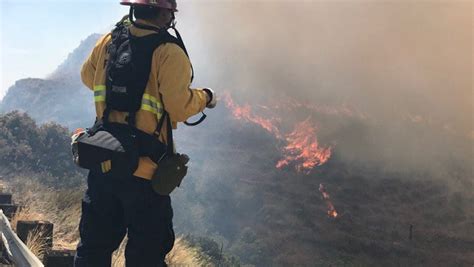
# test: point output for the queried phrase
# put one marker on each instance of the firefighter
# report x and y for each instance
(116, 205)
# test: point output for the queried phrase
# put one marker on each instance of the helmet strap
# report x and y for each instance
(172, 22)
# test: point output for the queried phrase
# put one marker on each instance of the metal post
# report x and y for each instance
(60, 258)
(15, 249)
(9, 209)
(42, 228)
(5, 198)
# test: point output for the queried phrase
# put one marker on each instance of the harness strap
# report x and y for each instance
(170, 142)
(150, 146)
(181, 44)
(105, 115)
(169, 130)
(159, 126)
(131, 119)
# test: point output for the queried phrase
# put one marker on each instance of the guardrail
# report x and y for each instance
(14, 247)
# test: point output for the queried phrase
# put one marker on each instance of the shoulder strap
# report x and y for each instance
(170, 141)
(181, 44)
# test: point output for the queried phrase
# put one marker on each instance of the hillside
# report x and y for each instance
(272, 217)
(59, 98)
(267, 217)
(339, 153)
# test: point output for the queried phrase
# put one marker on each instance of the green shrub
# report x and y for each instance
(27, 147)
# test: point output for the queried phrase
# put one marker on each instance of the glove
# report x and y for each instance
(211, 103)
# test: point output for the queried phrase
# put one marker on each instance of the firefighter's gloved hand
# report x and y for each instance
(212, 99)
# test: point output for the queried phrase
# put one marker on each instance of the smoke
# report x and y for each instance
(408, 65)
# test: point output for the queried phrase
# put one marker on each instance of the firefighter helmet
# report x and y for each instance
(168, 4)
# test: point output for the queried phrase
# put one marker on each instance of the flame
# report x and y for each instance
(332, 213)
(245, 113)
(302, 147)
(331, 210)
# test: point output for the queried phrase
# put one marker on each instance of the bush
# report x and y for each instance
(25, 147)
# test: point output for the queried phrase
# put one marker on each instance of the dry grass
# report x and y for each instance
(36, 243)
(185, 255)
(118, 258)
(60, 207)
(182, 255)
(63, 209)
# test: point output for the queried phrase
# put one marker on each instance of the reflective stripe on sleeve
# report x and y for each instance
(151, 104)
(99, 93)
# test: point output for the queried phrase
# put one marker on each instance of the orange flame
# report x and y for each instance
(245, 113)
(331, 210)
(302, 149)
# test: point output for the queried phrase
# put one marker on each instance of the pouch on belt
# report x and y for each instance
(171, 171)
(115, 143)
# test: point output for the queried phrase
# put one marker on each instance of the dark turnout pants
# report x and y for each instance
(115, 206)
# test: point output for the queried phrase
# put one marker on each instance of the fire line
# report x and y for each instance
(302, 149)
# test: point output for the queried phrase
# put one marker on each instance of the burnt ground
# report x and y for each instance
(376, 213)
(271, 217)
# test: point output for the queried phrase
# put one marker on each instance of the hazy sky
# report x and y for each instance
(36, 36)
(386, 56)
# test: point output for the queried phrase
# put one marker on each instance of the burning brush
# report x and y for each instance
(302, 148)
(331, 210)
